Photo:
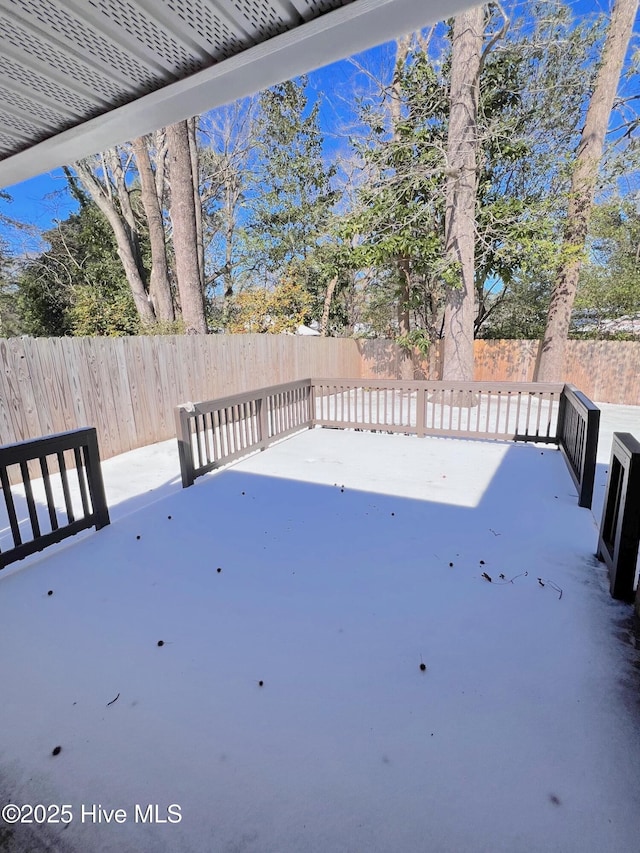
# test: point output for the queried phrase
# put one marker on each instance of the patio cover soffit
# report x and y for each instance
(78, 76)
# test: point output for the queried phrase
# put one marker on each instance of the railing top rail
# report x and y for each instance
(625, 443)
(580, 399)
(443, 385)
(24, 451)
(206, 406)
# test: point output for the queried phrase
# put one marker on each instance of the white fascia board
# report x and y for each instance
(334, 36)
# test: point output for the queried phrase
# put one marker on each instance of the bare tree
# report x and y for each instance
(466, 53)
(228, 176)
(550, 367)
(192, 127)
(184, 220)
(120, 216)
(159, 287)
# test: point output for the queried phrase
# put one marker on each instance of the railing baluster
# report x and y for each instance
(196, 422)
(550, 400)
(517, 430)
(237, 431)
(11, 508)
(539, 399)
(81, 482)
(31, 505)
(62, 465)
(507, 427)
(46, 479)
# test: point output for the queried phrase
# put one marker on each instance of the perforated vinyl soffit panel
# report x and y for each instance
(63, 62)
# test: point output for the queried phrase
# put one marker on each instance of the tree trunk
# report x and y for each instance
(231, 201)
(195, 172)
(551, 361)
(183, 218)
(160, 144)
(159, 288)
(395, 109)
(468, 31)
(404, 270)
(403, 265)
(123, 236)
(324, 326)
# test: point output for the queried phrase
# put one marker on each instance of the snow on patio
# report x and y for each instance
(287, 710)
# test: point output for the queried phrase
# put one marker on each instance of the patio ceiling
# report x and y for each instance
(77, 76)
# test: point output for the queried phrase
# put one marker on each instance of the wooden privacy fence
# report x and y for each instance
(608, 371)
(213, 433)
(127, 388)
(620, 528)
(71, 476)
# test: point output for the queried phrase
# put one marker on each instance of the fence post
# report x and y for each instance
(185, 450)
(95, 481)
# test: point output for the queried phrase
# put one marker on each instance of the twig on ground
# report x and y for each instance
(553, 585)
(504, 582)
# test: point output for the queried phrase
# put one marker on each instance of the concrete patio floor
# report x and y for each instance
(286, 709)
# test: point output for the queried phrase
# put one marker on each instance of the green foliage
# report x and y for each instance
(277, 310)
(533, 88)
(162, 328)
(275, 216)
(609, 284)
(416, 339)
(103, 310)
(399, 215)
(518, 312)
(77, 286)
(293, 197)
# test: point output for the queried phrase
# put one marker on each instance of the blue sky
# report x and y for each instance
(42, 200)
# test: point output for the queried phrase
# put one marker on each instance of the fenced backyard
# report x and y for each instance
(128, 388)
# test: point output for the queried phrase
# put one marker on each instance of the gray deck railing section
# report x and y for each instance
(497, 410)
(48, 455)
(216, 432)
(619, 536)
(578, 425)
